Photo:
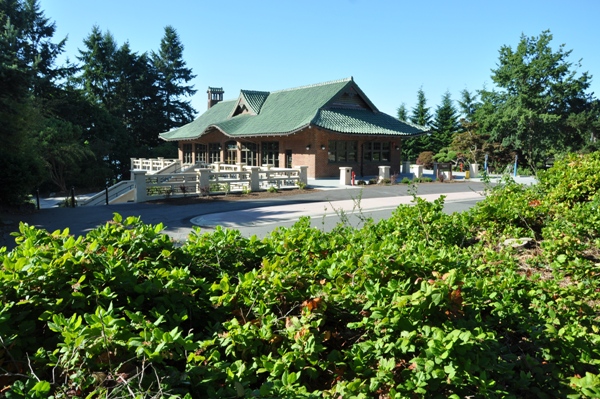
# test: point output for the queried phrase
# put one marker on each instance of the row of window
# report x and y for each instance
(339, 151)
(211, 153)
(346, 151)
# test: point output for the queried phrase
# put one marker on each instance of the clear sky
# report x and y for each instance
(390, 47)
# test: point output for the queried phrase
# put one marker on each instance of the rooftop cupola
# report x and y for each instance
(215, 94)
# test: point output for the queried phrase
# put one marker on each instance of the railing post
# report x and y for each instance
(254, 178)
(202, 181)
(303, 174)
(139, 178)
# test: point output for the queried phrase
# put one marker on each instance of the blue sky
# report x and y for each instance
(390, 47)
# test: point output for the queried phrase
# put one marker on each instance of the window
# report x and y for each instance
(231, 152)
(214, 152)
(377, 152)
(201, 156)
(270, 153)
(187, 153)
(249, 151)
(342, 151)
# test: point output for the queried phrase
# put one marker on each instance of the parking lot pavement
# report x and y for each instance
(179, 220)
(291, 212)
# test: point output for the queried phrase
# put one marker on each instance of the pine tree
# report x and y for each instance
(27, 81)
(173, 75)
(467, 105)
(99, 73)
(445, 124)
(402, 112)
(420, 115)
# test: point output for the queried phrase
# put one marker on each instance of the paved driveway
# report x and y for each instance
(251, 216)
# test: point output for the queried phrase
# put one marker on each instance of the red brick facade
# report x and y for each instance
(311, 147)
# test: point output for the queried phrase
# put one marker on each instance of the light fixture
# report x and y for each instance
(308, 147)
(323, 147)
(397, 148)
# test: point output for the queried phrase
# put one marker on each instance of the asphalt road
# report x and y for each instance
(255, 217)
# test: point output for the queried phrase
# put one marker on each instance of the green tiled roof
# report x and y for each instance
(287, 111)
(192, 130)
(255, 99)
(360, 121)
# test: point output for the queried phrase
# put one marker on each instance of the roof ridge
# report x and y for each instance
(255, 91)
(316, 85)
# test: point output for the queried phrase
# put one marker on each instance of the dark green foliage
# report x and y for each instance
(541, 107)
(172, 79)
(445, 124)
(421, 305)
(402, 113)
(421, 115)
(81, 124)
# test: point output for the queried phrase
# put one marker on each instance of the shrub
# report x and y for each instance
(301, 185)
(424, 304)
(406, 180)
(426, 159)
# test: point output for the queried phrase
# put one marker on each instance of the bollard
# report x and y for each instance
(73, 197)
(106, 193)
(37, 196)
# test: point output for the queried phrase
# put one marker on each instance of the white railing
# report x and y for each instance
(205, 181)
(153, 165)
(161, 178)
(111, 195)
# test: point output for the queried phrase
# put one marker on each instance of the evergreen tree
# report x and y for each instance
(27, 73)
(467, 105)
(402, 112)
(99, 73)
(173, 76)
(420, 115)
(538, 93)
(445, 124)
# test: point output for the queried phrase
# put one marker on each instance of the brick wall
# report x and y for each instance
(315, 158)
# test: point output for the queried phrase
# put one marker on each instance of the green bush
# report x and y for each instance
(422, 305)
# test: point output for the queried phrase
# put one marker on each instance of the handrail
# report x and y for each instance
(114, 192)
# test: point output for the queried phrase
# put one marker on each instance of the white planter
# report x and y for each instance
(474, 169)
(416, 170)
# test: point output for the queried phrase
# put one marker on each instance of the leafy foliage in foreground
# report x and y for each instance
(424, 304)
